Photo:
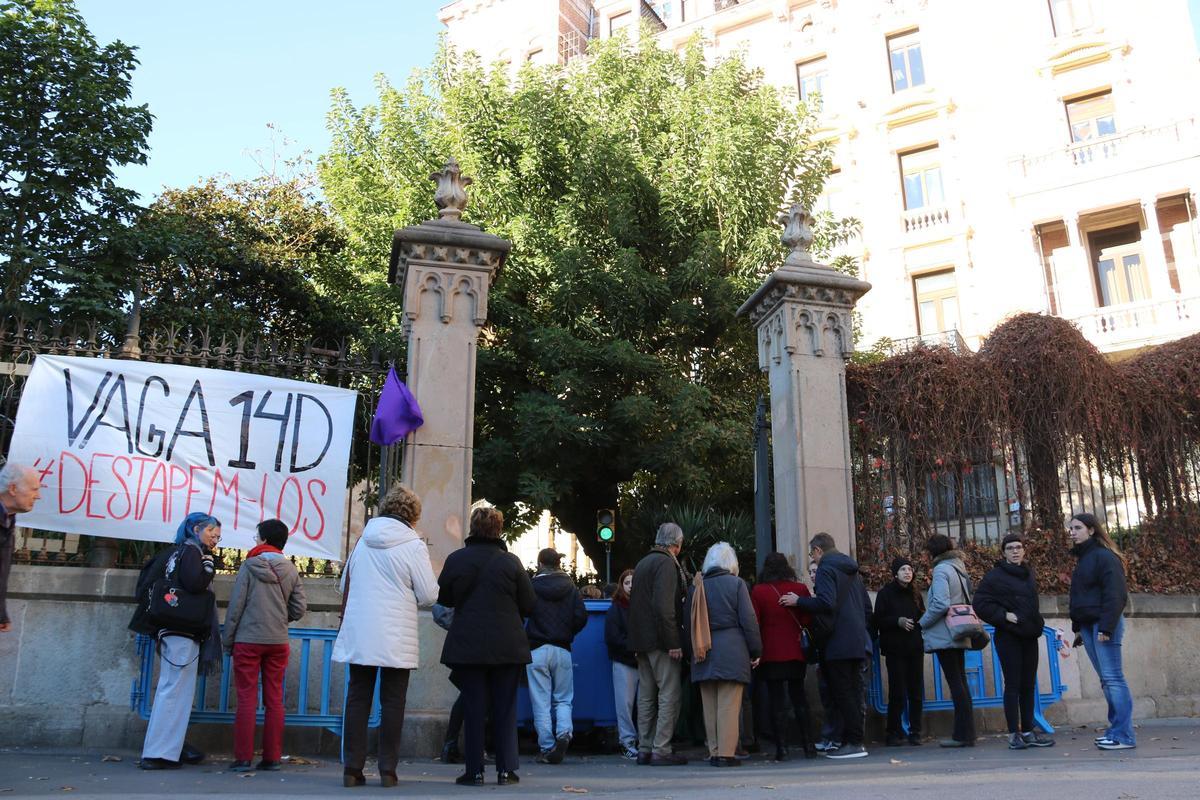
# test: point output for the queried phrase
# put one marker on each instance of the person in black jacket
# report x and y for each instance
(898, 606)
(181, 653)
(558, 614)
(624, 664)
(1007, 599)
(840, 596)
(1098, 598)
(486, 647)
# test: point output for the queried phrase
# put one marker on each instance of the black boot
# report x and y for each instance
(810, 751)
(779, 730)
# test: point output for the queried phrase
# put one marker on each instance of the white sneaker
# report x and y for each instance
(1113, 744)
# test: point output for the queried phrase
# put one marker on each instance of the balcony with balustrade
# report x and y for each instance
(1106, 156)
(1130, 326)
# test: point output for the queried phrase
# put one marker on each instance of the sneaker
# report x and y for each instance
(1035, 739)
(241, 766)
(894, 740)
(544, 757)
(847, 751)
(1016, 742)
(1113, 744)
(630, 752)
(158, 763)
(560, 749)
(822, 745)
(914, 740)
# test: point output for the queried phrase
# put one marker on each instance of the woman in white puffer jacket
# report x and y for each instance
(386, 578)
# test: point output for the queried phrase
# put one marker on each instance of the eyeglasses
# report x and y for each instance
(1014, 547)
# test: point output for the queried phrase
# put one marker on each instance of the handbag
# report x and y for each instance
(964, 623)
(175, 608)
(802, 635)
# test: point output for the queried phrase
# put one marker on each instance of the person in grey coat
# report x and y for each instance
(267, 596)
(736, 648)
(949, 585)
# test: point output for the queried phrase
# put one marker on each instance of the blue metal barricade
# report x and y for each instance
(303, 713)
(594, 705)
(985, 679)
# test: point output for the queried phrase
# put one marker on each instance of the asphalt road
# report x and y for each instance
(1165, 766)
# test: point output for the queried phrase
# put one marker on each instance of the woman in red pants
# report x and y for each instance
(267, 595)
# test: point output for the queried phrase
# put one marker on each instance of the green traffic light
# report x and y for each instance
(605, 534)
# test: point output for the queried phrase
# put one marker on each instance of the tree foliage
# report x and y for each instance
(639, 188)
(65, 124)
(260, 255)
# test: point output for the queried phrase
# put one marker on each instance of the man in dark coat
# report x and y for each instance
(841, 596)
(557, 616)
(655, 635)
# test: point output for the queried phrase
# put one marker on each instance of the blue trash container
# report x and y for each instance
(593, 705)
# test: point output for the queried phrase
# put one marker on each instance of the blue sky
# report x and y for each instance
(217, 73)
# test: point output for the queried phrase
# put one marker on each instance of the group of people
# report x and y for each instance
(729, 633)
(502, 625)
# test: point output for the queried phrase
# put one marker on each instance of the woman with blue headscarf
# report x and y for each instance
(181, 653)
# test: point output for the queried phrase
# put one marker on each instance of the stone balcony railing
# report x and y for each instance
(1148, 322)
(919, 220)
(1099, 158)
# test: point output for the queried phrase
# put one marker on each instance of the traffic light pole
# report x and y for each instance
(608, 562)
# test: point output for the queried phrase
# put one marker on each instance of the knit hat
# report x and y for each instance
(898, 562)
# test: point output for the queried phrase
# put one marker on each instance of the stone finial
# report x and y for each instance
(451, 192)
(797, 234)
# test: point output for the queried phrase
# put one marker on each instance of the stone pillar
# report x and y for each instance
(446, 267)
(1156, 256)
(802, 314)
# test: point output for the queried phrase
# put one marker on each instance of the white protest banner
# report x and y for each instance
(128, 448)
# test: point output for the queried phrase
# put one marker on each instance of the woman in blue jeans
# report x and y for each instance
(1098, 598)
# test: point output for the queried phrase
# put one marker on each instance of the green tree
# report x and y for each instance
(65, 124)
(640, 190)
(261, 256)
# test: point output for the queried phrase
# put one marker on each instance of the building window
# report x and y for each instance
(1091, 117)
(921, 173)
(1070, 16)
(830, 200)
(978, 489)
(937, 302)
(904, 51)
(1120, 265)
(811, 77)
(619, 22)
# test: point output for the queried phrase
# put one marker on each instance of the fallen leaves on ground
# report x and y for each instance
(109, 758)
(575, 789)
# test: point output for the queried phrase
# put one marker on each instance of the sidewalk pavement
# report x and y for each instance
(1165, 766)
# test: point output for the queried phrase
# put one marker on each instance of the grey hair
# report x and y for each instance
(669, 535)
(721, 555)
(11, 473)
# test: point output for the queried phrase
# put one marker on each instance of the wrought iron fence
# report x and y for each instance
(343, 366)
(981, 499)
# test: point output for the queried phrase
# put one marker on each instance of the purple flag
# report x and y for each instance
(397, 414)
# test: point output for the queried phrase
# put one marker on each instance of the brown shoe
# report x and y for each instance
(668, 760)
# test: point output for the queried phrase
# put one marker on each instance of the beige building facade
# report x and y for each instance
(1033, 155)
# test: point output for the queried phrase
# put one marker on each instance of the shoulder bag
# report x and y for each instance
(964, 623)
(175, 608)
(806, 645)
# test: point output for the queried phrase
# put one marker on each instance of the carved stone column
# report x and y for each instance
(446, 267)
(802, 313)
